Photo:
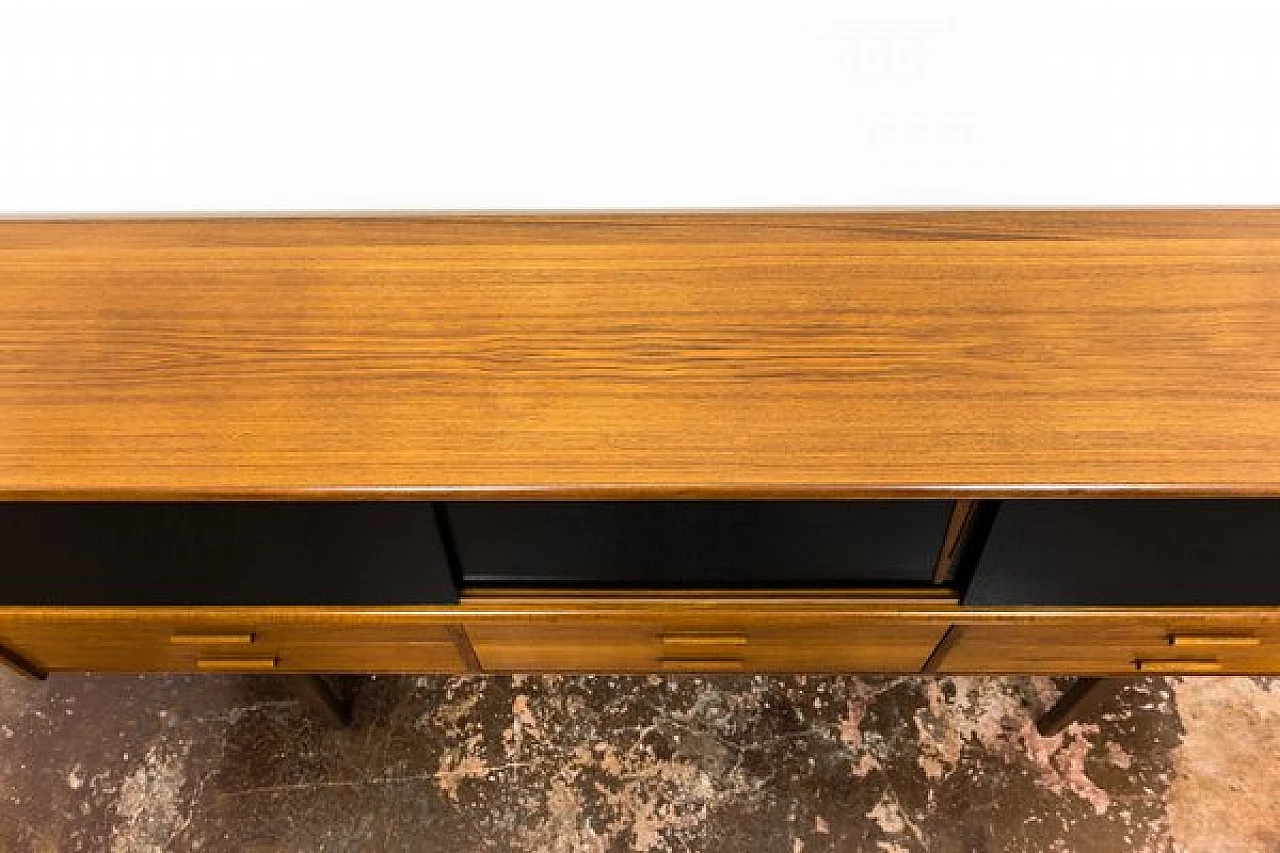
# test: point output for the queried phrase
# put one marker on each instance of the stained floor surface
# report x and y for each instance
(789, 764)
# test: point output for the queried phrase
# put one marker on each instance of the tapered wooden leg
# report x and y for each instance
(321, 697)
(15, 662)
(1080, 698)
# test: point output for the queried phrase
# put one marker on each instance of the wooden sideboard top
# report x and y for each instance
(783, 354)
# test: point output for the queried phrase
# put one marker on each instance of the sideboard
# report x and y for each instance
(1024, 441)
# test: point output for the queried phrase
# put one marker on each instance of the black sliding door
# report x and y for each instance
(1131, 552)
(698, 544)
(234, 553)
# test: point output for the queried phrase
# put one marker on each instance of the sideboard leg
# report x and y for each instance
(320, 696)
(15, 662)
(1079, 699)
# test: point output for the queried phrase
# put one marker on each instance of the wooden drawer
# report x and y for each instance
(96, 648)
(882, 647)
(238, 647)
(1102, 649)
(862, 647)
(404, 658)
(306, 635)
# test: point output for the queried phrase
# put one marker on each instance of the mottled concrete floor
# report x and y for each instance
(742, 764)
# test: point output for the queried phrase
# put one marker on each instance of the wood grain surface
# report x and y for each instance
(614, 632)
(737, 355)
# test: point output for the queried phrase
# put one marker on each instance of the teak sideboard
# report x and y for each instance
(809, 441)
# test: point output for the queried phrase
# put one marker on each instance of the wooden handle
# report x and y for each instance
(195, 638)
(1213, 640)
(702, 641)
(689, 665)
(1177, 666)
(236, 664)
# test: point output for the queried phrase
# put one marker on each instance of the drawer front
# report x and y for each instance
(127, 647)
(95, 648)
(301, 634)
(403, 658)
(693, 544)
(526, 648)
(865, 647)
(1096, 649)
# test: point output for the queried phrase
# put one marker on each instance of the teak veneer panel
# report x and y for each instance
(733, 645)
(817, 354)
(888, 631)
(1113, 648)
(235, 642)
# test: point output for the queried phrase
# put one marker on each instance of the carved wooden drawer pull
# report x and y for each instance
(702, 641)
(1214, 640)
(1177, 666)
(236, 664)
(703, 652)
(216, 638)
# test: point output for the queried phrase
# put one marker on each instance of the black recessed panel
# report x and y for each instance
(1131, 552)
(692, 544)
(221, 553)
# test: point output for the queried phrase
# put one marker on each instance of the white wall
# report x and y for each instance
(222, 106)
